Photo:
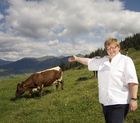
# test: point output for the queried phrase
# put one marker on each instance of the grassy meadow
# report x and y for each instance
(77, 103)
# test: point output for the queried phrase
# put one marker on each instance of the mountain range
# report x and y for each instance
(2, 62)
(29, 65)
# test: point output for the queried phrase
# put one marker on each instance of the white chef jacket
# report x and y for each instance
(113, 78)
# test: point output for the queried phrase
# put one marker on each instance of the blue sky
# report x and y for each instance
(133, 5)
(36, 28)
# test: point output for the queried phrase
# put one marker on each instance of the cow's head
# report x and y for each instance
(20, 90)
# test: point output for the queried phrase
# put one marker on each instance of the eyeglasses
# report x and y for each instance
(109, 48)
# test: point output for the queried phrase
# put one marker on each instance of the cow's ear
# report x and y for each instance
(18, 84)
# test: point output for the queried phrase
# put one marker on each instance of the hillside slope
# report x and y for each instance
(77, 103)
(28, 65)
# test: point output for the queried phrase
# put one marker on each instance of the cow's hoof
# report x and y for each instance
(13, 98)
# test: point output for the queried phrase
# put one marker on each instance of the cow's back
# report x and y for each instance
(47, 77)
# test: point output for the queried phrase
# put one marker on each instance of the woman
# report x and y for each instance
(117, 81)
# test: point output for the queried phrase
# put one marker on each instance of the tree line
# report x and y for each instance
(131, 42)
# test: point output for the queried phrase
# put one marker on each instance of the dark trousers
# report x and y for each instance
(115, 113)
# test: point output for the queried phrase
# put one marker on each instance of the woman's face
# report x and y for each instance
(112, 50)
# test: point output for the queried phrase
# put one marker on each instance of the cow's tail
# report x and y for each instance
(60, 80)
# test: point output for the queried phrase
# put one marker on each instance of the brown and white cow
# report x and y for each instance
(39, 80)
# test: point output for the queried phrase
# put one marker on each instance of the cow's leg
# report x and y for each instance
(57, 85)
(62, 84)
(40, 90)
(30, 93)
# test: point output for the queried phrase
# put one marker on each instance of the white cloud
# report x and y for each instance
(58, 27)
(1, 16)
(54, 42)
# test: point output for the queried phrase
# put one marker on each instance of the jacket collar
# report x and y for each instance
(114, 60)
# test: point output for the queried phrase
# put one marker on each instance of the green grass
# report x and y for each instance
(77, 103)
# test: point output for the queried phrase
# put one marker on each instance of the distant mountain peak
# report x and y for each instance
(3, 62)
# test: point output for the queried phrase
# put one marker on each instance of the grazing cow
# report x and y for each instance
(39, 80)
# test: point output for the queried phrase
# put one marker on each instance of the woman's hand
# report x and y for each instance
(72, 59)
(133, 105)
(81, 60)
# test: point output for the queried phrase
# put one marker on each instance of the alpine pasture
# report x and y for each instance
(77, 103)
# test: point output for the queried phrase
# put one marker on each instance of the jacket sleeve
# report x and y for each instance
(130, 71)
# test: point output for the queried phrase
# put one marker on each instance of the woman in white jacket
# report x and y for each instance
(117, 81)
